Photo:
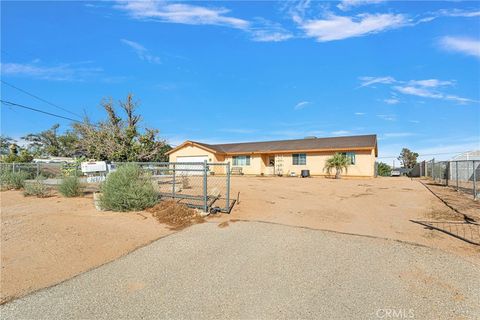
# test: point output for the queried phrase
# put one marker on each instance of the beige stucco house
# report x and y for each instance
(284, 156)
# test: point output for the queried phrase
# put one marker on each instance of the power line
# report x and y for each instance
(41, 99)
(9, 103)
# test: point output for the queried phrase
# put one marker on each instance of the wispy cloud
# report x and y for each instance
(58, 72)
(340, 132)
(368, 81)
(428, 93)
(334, 27)
(466, 46)
(141, 51)
(359, 113)
(432, 83)
(349, 4)
(387, 117)
(259, 29)
(398, 134)
(270, 35)
(164, 11)
(301, 105)
(239, 130)
(391, 101)
(457, 13)
(428, 88)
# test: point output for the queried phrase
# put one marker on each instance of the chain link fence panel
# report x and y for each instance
(463, 175)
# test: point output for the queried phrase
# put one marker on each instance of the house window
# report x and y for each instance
(241, 160)
(299, 159)
(350, 156)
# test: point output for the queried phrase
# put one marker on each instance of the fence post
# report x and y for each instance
(174, 182)
(474, 182)
(205, 196)
(38, 169)
(433, 169)
(228, 188)
(456, 173)
(447, 173)
(13, 167)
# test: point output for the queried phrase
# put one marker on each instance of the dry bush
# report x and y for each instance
(70, 187)
(176, 216)
(128, 188)
(37, 188)
(13, 180)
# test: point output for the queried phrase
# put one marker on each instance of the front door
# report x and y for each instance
(270, 165)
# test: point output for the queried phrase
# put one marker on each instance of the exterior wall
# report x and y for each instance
(364, 164)
(256, 164)
(191, 151)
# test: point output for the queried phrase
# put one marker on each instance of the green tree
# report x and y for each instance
(383, 169)
(5, 143)
(50, 143)
(120, 138)
(408, 158)
(16, 154)
(338, 162)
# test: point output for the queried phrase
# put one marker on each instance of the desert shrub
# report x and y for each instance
(384, 169)
(37, 188)
(13, 180)
(126, 189)
(70, 187)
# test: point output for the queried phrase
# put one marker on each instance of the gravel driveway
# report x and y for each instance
(250, 270)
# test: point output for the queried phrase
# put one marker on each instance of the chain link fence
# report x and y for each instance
(45, 170)
(199, 185)
(463, 175)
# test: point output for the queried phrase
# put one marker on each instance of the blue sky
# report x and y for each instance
(246, 71)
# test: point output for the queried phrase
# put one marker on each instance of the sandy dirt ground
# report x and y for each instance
(380, 207)
(459, 201)
(45, 241)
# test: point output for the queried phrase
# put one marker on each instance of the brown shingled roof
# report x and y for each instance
(334, 143)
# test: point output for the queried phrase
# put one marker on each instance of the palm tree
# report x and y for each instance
(339, 162)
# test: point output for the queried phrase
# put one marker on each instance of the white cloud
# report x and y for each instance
(387, 117)
(181, 13)
(432, 83)
(391, 101)
(398, 134)
(458, 13)
(141, 51)
(349, 4)
(301, 105)
(260, 30)
(360, 113)
(463, 45)
(335, 27)
(340, 132)
(428, 93)
(368, 81)
(416, 91)
(266, 35)
(59, 72)
(427, 88)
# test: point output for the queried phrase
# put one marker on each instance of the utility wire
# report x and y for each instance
(9, 103)
(41, 99)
